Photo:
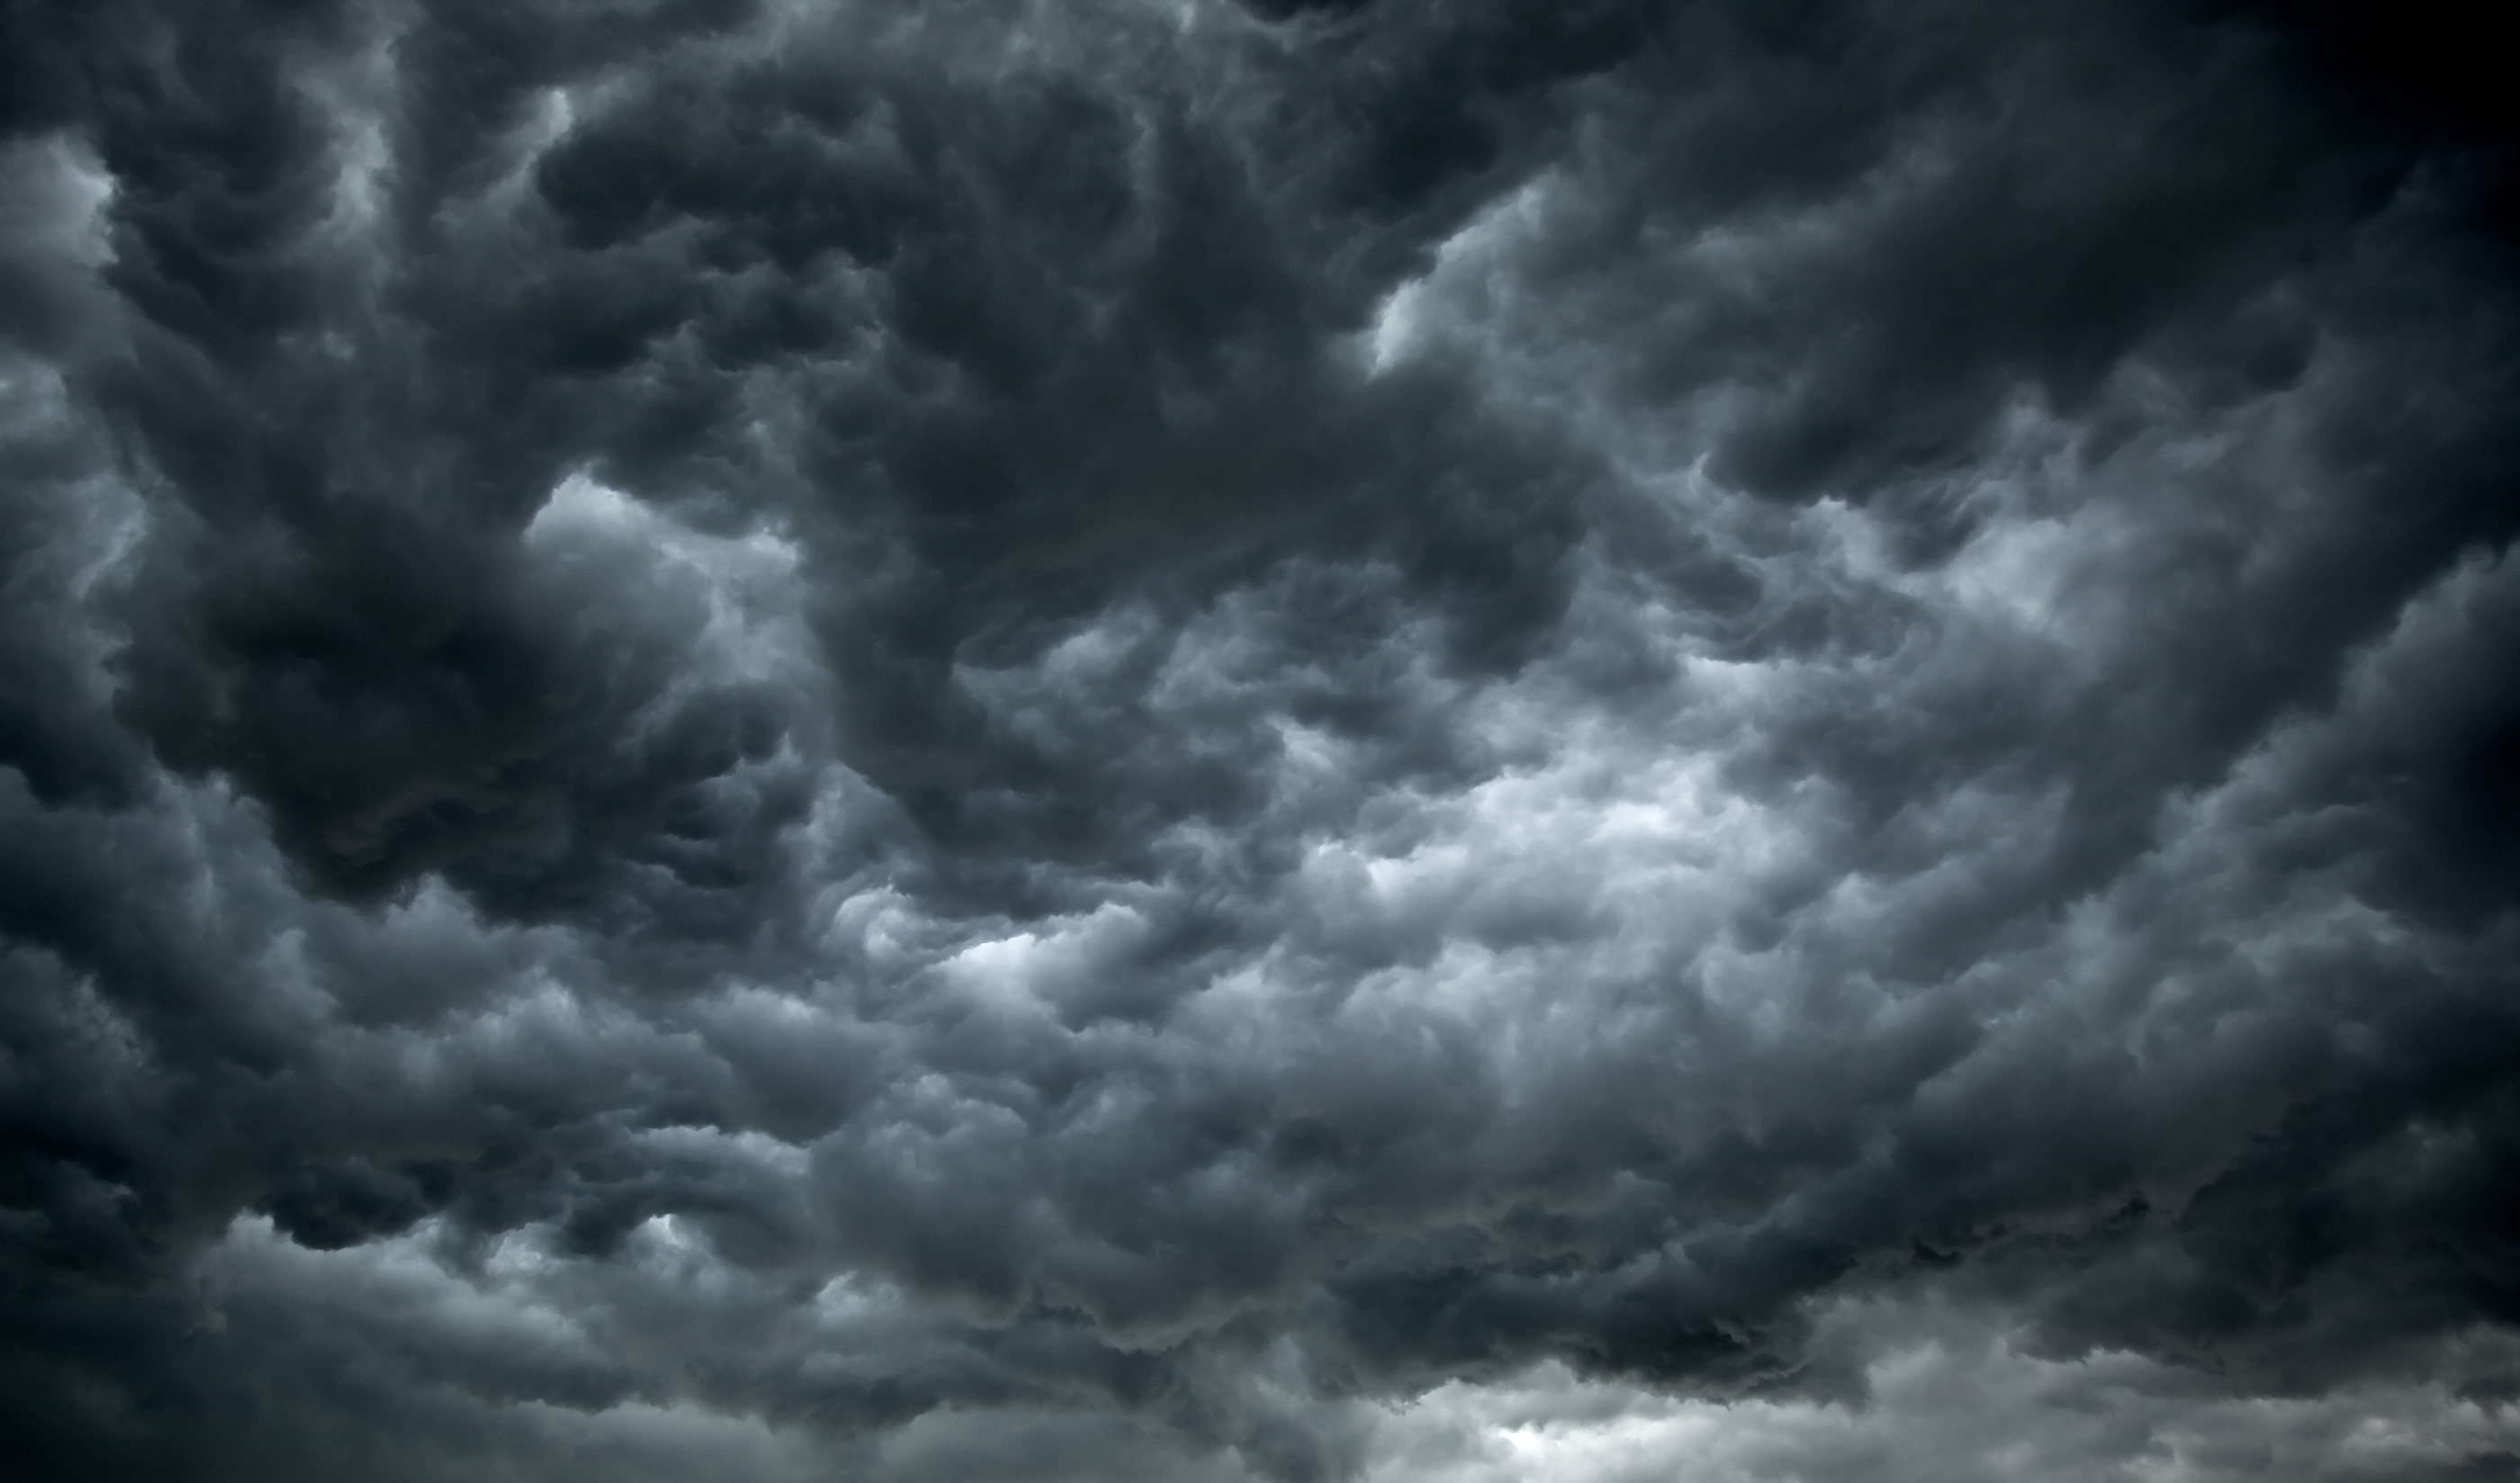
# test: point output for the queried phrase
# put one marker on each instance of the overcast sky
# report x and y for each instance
(1404, 740)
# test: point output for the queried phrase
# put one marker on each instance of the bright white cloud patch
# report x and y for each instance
(1955, 1405)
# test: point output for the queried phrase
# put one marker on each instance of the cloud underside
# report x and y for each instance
(1287, 740)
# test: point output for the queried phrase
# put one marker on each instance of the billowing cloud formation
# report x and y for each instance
(920, 741)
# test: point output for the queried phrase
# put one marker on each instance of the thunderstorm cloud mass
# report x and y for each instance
(1258, 741)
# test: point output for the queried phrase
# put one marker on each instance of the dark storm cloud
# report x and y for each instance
(936, 743)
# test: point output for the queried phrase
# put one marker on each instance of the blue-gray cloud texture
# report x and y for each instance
(944, 740)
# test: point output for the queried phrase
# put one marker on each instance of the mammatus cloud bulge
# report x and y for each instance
(1337, 740)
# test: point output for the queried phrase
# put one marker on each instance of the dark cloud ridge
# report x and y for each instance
(896, 740)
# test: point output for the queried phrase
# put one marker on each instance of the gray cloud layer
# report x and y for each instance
(921, 741)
